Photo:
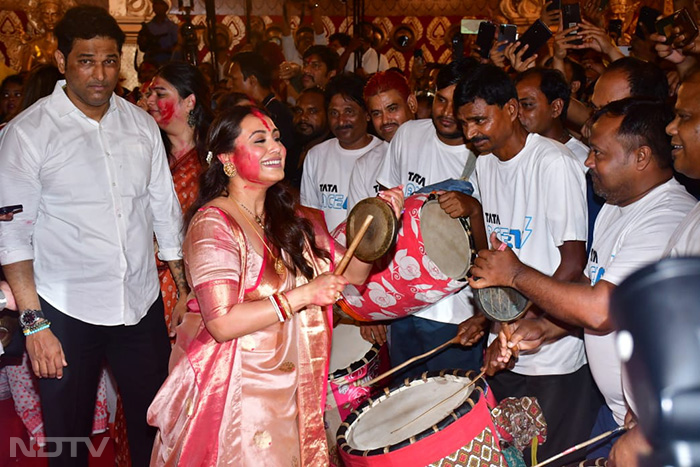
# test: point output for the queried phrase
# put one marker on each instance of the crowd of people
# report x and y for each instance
(185, 247)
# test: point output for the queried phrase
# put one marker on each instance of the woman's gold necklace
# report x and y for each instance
(280, 268)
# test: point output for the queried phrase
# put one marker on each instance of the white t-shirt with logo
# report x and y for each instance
(535, 202)
(326, 178)
(417, 158)
(626, 239)
(685, 241)
(363, 179)
(579, 150)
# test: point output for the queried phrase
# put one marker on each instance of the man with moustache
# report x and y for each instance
(630, 162)
(310, 120)
(533, 197)
(390, 103)
(422, 153)
(320, 65)
(95, 186)
(328, 165)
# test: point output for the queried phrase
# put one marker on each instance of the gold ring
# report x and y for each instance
(337, 296)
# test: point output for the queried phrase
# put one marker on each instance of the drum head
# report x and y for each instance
(348, 347)
(446, 240)
(501, 303)
(409, 412)
(381, 233)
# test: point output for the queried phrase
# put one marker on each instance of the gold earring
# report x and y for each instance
(230, 169)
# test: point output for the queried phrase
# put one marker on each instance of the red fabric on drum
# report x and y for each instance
(438, 446)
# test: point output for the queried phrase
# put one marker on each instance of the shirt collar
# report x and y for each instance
(63, 105)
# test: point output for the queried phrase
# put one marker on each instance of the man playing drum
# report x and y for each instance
(421, 153)
(630, 161)
(533, 197)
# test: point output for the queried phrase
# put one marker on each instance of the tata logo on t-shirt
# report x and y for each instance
(330, 198)
(595, 272)
(415, 182)
(514, 238)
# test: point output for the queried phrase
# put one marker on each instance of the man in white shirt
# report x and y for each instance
(362, 46)
(685, 141)
(390, 104)
(328, 165)
(630, 161)
(533, 196)
(544, 96)
(92, 175)
(422, 153)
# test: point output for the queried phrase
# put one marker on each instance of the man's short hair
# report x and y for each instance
(87, 22)
(486, 82)
(645, 79)
(341, 37)
(552, 84)
(349, 85)
(313, 90)
(325, 53)
(254, 64)
(643, 124)
(386, 81)
(454, 71)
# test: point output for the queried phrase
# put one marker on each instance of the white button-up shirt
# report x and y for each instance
(93, 195)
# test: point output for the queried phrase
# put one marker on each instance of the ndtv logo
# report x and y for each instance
(32, 449)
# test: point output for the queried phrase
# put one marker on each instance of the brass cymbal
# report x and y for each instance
(382, 231)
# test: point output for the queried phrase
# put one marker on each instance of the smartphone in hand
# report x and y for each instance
(571, 17)
(13, 209)
(535, 37)
(487, 32)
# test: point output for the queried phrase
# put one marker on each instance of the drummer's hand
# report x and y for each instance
(394, 196)
(374, 333)
(491, 363)
(527, 334)
(495, 267)
(457, 204)
(627, 449)
(472, 330)
(325, 289)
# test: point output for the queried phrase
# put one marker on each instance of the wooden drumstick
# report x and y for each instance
(353, 246)
(454, 340)
(509, 333)
(581, 446)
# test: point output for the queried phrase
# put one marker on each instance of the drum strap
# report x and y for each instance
(469, 167)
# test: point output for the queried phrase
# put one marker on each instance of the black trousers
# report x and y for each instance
(570, 405)
(138, 356)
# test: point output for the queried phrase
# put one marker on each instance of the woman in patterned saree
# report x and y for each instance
(178, 99)
(250, 389)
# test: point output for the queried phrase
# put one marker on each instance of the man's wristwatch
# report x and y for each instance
(3, 300)
(29, 318)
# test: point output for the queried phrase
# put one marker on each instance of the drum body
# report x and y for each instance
(437, 419)
(432, 253)
(353, 361)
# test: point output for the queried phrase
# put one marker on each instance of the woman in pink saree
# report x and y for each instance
(250, 387)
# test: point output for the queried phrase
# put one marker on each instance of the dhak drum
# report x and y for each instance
(441, 418)
(431, 258)
(353, 361)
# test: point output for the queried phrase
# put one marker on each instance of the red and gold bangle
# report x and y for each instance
(277, 308)
(284, 301)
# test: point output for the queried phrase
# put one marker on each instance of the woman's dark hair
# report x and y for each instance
(188, 80)
(283, 226)
(87, 22)
(40, 83)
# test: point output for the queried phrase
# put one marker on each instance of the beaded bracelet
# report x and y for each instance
(277, 308)
(284, 302)
(40, 326)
